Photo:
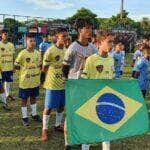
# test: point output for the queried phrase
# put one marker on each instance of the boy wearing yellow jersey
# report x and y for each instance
(29, 64)
(101, 65)
(7, 55)
(54, 82)
(2, 92)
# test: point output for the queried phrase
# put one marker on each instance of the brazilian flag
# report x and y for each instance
(104, 110)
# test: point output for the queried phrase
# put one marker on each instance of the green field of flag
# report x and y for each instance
(104, 110)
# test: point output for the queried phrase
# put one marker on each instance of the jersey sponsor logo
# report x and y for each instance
(58, 75)
(2, 48)
(6, 61)
(100, 68)
(6, 55)
(58, 66)
(28, 60)
(57, 58)
(37, 59)
(106, 72)
(31, 67)
(32, 75)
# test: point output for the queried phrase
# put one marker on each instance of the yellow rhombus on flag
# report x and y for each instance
(91, 115)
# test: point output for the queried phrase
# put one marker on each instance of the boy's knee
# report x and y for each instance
(32, 100)
(46, 111)
(60, 109)
(24, 103)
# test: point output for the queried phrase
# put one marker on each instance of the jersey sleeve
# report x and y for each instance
(12, 48)
(135, 55)
(68, 58)
(19, 60)
(113, 54)
(95, 50)
(122, 62)
(113, 68)
(40, 47)
(47, 59)
(40, 59)
(138, 66)
(86, 71)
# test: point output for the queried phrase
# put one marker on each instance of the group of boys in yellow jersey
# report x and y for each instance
(81, 60)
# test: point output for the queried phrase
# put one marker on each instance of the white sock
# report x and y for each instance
(3, 97)
(85, 147)
(59, 117)
(106, 145)
(7, 86)
(24, 112)
(33, 109)
(65, 132)
(45, 121)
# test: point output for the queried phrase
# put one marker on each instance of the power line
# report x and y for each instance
(23, 16)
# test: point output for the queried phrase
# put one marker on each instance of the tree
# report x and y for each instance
(12, 25)
(83, 13)
(121, 22)
(103, 23)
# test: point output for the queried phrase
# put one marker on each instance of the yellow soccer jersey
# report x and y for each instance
(53, 58)
(97, 67)
(7, 51)
(30, 69)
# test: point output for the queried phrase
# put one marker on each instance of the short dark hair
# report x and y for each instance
(103, 34)
(81, 23)
(117, 41)
(4, 31)
(60, 29)
(30, 35)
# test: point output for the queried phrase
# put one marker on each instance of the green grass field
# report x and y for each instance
(13, 136)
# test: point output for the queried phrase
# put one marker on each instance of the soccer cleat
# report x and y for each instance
(44, 135)
(59, 128)
(36, 118)
(25, 122)
(5, 107)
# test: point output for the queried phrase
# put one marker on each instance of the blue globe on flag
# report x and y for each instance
(110, 108)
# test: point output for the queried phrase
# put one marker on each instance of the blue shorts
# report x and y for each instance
(54, 99)
(24, 94)
(1, 84)
(7, 76)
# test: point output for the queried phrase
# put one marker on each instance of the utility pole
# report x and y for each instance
(122, 8)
